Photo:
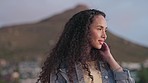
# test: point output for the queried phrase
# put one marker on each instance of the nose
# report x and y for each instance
(104, 35)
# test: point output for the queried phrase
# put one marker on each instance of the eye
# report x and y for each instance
(99, 28)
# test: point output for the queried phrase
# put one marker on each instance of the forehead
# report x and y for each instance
(99, 20)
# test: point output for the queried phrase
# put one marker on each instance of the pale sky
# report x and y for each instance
(127, 18)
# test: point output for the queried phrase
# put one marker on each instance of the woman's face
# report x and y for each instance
(98, 31)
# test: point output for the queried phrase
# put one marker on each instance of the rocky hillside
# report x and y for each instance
(29, 41)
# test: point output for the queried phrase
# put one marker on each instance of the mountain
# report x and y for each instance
(31, 41)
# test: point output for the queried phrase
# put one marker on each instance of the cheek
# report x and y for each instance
(96, 35)
(94, 38)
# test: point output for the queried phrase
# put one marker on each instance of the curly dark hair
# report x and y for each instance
(73, 46)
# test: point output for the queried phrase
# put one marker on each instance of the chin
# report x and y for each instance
(99, 47)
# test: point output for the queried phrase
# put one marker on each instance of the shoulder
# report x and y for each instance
(59, 75)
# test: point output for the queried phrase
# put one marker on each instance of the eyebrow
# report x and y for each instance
(102, 26)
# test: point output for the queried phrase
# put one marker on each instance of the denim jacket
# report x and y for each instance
(108, 76)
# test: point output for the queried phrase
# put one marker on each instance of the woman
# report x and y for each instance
(81, 54)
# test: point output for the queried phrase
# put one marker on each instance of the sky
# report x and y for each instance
(126, 18)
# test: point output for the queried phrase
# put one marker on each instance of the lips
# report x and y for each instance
(101, 42)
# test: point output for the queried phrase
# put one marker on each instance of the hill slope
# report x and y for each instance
(29, 41)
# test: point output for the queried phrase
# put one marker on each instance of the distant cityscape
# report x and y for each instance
(23, 72)
(28, 71)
